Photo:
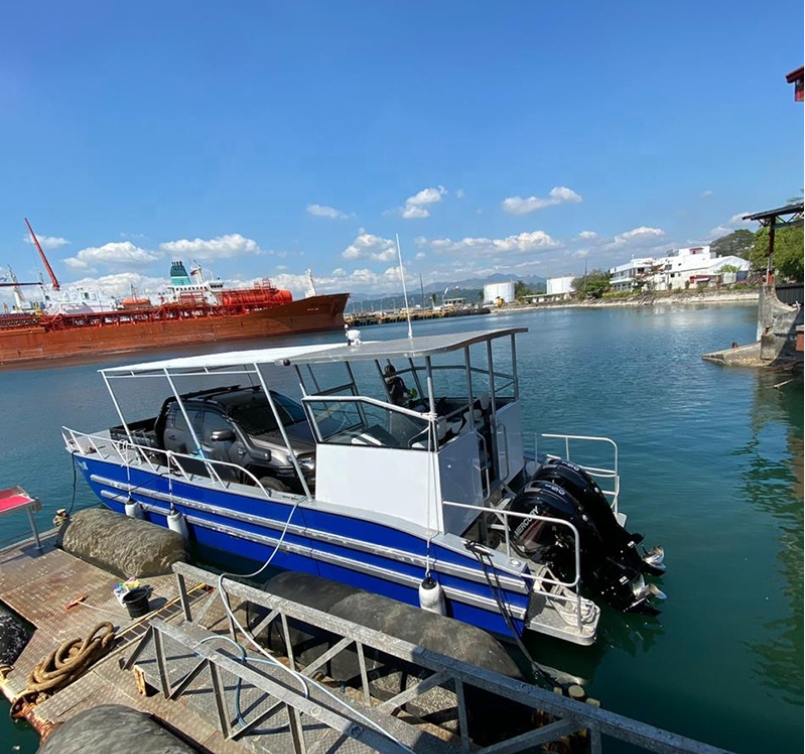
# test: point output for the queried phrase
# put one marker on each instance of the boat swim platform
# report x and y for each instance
(174, 664)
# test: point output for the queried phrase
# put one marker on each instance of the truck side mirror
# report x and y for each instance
(222, 435)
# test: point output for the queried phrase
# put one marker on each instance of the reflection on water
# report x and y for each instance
(711, 468)
(774, 483)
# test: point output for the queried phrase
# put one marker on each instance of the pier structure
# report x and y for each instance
(187, 664)
(779, 341)
(401, 315)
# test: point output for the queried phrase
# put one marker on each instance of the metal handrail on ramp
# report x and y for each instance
(307, 712)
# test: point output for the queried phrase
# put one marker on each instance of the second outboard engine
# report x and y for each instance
(609, 562)
(595, 505)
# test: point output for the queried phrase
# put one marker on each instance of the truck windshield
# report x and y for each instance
(256, 417)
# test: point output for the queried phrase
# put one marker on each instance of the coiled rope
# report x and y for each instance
(63, 666)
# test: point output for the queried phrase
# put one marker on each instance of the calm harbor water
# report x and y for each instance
(711, 467)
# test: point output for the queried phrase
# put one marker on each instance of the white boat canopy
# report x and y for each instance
(407, 348)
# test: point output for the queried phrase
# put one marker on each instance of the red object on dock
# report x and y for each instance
(16, 499)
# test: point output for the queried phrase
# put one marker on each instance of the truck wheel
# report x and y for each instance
(272, 483)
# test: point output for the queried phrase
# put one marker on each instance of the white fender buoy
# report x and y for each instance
(431, 596)
(133, 509)
(177, 523)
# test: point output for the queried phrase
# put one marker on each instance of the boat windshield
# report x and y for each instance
(257, 418)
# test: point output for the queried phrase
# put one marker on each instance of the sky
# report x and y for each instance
(262, 139)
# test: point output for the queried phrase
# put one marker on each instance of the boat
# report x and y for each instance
(192, 311)
(416, 480)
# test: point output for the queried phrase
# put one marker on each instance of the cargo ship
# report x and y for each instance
(193, 311)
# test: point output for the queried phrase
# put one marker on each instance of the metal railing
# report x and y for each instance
(547, 577)
(169, 464)
(601, 474)
(367, 719)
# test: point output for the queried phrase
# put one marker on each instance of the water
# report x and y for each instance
(712, 468)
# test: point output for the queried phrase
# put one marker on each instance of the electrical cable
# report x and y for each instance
(303, 680)
(505, 612)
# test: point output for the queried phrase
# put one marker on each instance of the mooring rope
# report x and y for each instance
(63, 666)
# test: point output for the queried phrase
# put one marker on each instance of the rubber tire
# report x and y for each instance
(273, 484)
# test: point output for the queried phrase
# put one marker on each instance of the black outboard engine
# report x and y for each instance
(609, 562)
(596, 507)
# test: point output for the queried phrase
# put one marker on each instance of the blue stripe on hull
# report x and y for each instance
(371, 533)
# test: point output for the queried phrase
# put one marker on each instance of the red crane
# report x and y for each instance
(53, 279)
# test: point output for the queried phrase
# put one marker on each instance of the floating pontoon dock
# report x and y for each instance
(178, 664)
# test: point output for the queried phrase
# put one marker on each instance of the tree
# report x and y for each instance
(737, 244)
(521, 290)
(788, 251)
(592, 285)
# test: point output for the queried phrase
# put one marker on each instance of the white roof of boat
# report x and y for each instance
(404, 347)
(314, 354)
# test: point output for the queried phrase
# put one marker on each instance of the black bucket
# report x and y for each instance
(136, 602)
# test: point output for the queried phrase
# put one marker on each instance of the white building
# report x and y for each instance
(678, 270)
(562, 286)
(494, 291)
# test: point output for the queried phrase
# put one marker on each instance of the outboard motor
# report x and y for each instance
(595, 505)
(609, 563)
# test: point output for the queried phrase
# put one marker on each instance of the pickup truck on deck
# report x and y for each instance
(233, 424)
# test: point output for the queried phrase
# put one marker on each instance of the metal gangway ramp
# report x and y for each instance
(268, 708)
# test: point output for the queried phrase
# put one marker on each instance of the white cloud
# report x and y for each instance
(369, 246)
(222, 247)
(738, 220)
(459, 193)
(706, 193)
(588, 235)
(416, 205)
(119, 285)
(122, 254)
(516, 205)
(734, 223)
(637, 235)
(412, 212)
(536, 240)
(319, 210)
(47, 242)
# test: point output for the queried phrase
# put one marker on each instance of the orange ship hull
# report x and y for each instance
(135, 330)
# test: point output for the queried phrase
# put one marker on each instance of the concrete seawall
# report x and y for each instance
(676, 299)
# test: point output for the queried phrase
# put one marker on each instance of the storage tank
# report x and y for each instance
(560, 286)
(495, 291)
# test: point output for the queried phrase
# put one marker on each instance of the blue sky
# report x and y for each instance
(263, 138)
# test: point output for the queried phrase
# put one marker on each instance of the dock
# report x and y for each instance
(186, 664)
(361, 319)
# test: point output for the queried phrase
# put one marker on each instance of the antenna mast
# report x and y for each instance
(405, 292)
(53, 279)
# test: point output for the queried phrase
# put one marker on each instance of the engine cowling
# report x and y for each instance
(595, 506)
(609, 563)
